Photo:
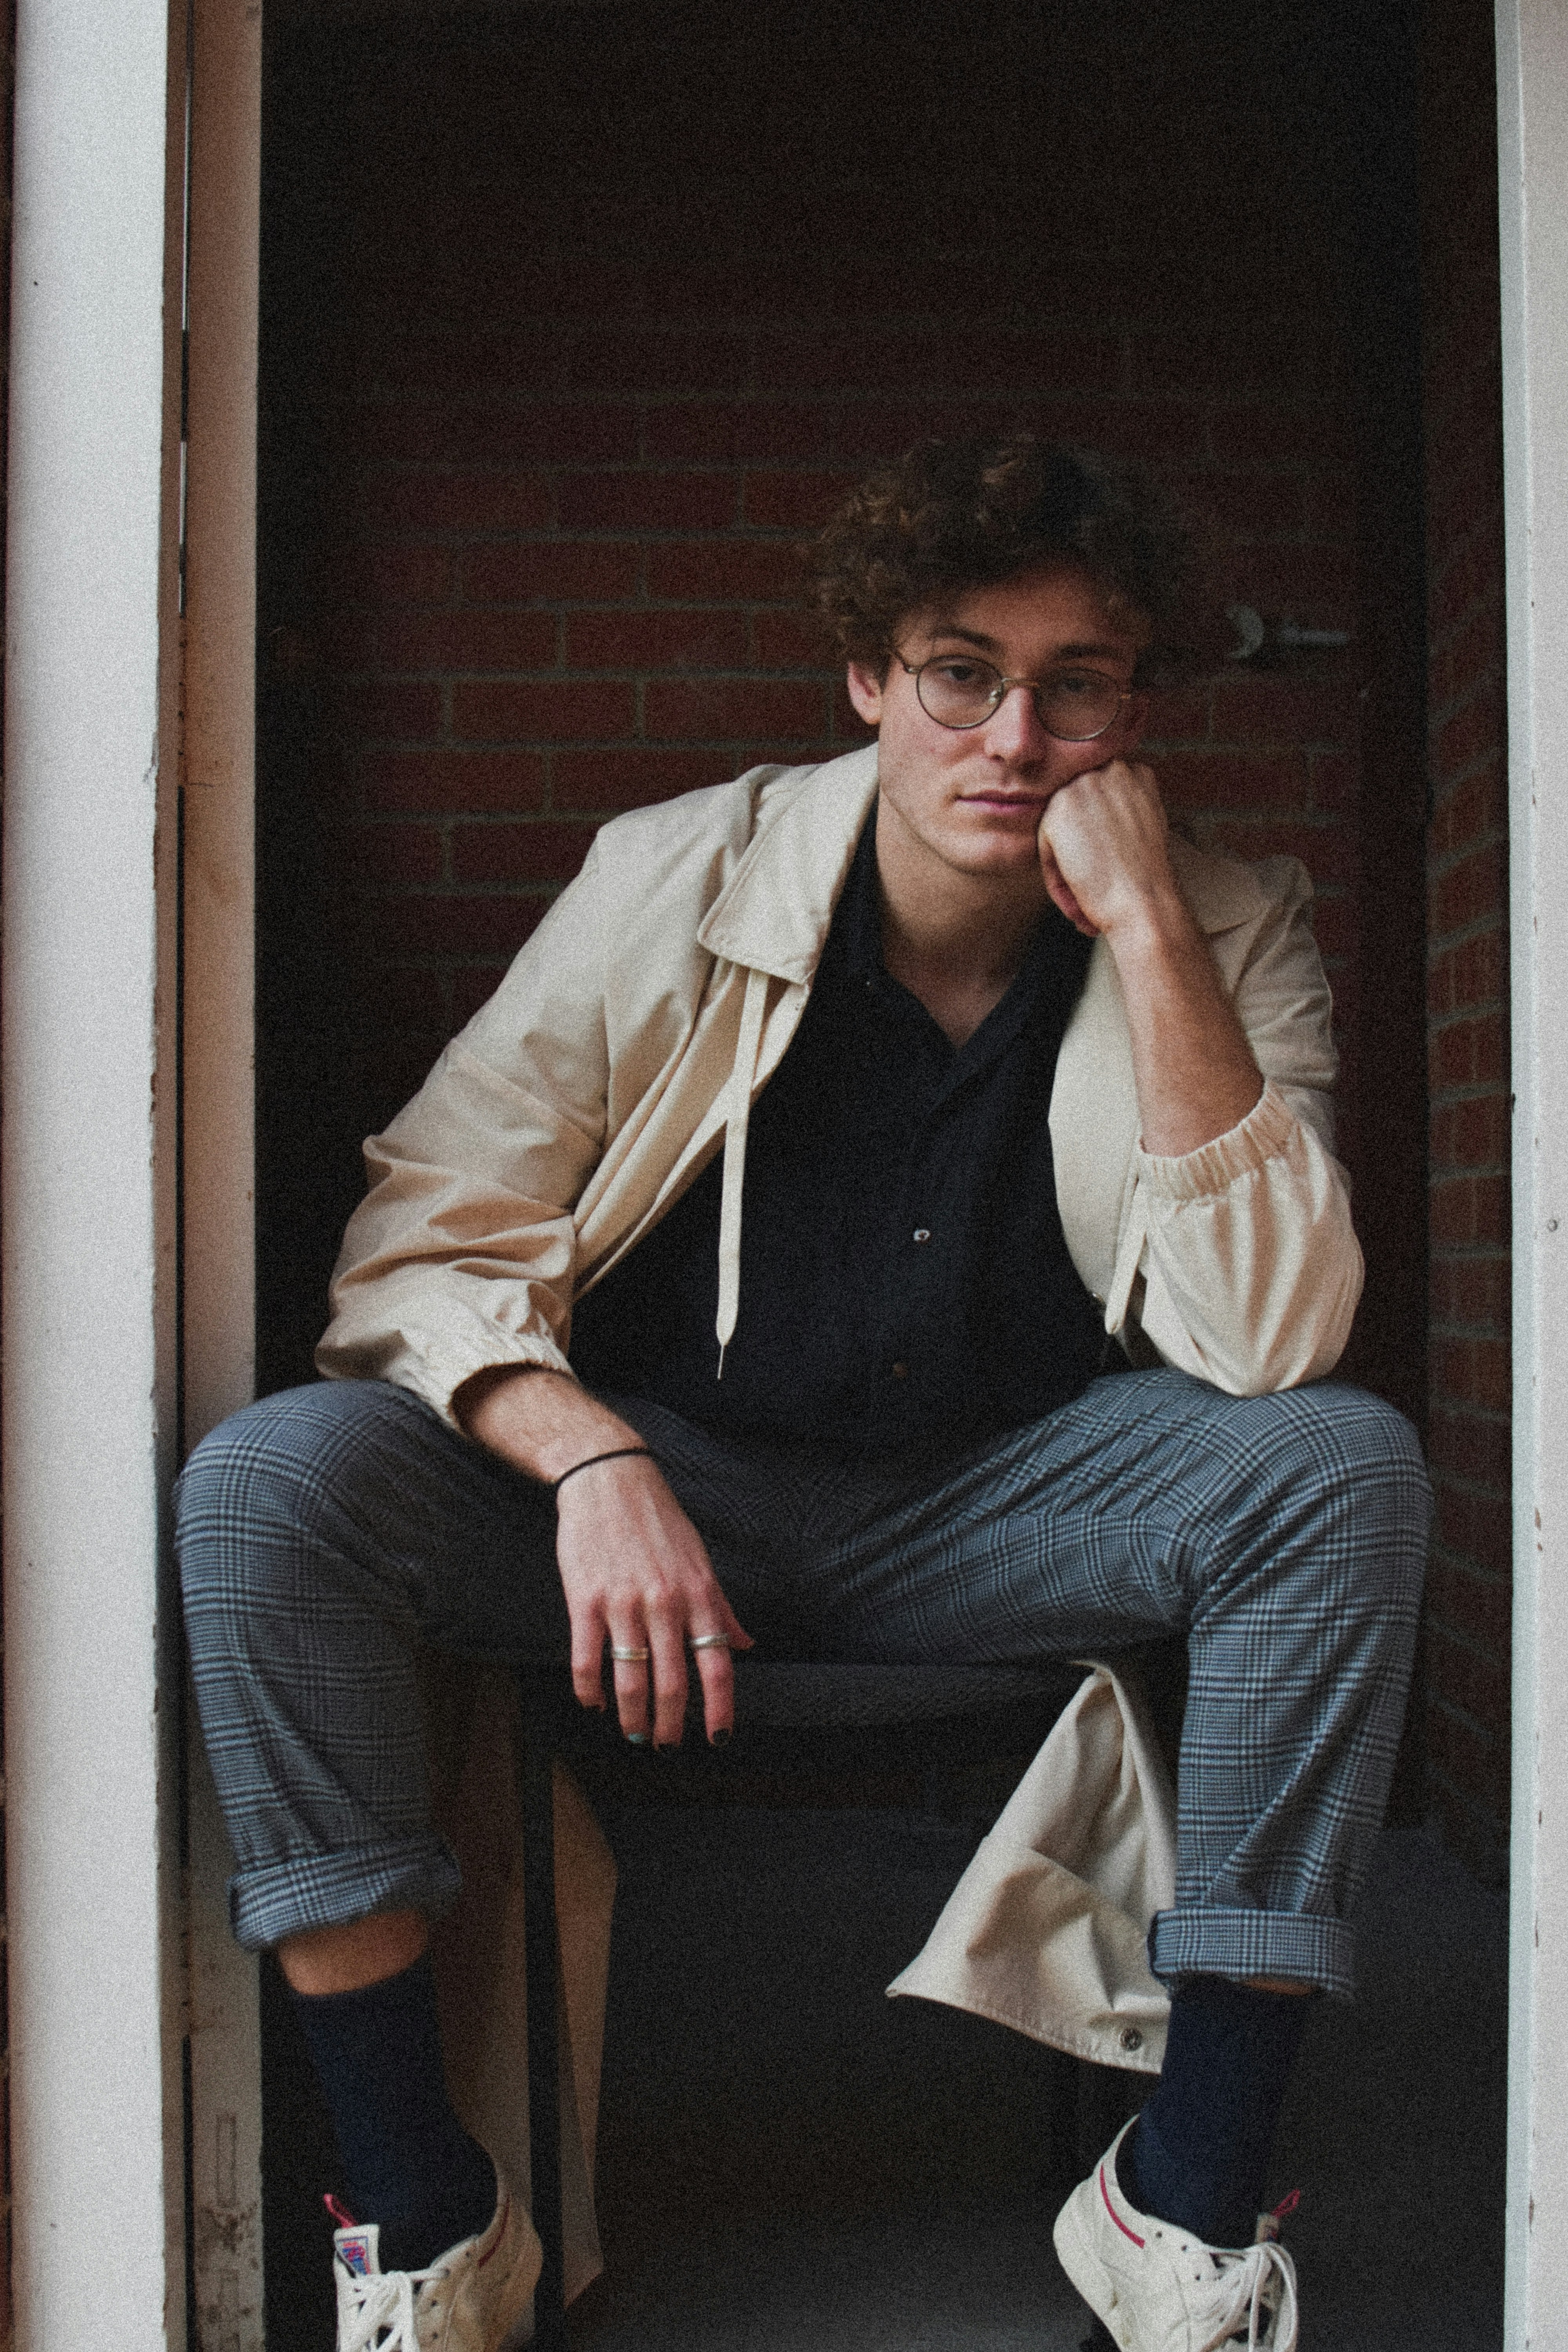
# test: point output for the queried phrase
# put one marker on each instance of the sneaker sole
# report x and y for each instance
(1075, 2252)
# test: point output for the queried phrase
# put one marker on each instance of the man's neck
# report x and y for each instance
(954, 940)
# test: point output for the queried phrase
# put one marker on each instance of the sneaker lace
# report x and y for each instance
(384, 2302)
(1249, 2289)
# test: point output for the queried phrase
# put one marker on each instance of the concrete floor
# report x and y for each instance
(789, 2160)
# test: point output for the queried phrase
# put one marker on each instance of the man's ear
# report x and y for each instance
(864, 692)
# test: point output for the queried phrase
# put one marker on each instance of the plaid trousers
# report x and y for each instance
(321, 1531)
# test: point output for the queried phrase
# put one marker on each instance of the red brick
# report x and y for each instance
(1245, 507)
(455, 363)
(392, 575)
(645, 641)
(1473, 653)
(629, 359)
(1234, 780)
(1464, 1445)
(1472, 1371)
(1471, 1134)
(1476, 1527)
(449, 781)
(635, 501)
(632, 778)
(1285, 710)
(1277, 354)
(731, 570)
(1466, 1679)
(795, 501)
(1472, 1292)
(1333, 780)
(1327, 851)
(372, 707)
(409, 997)
(466, 640)
(793, 641)
(1469, 1052)
(1313, 586)
(871, 430)
(1473, 889)
(731, 709)
(1334, 923)
(1468, 1209)
(526, 852)
(1468, 573)
(475, 984)
(1479, 728)
(453, 499)
(468, 433)
(552, 571)
(1280, 434)
(1471, 812)
(393, 855)
(545, 712)
(727, 431)
(471, 925)
(1470, 976)
(1177, 714)
(1478, 1763)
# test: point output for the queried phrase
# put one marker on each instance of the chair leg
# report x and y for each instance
(535, 1773)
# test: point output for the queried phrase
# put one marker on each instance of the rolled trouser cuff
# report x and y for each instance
(1225, 1940)
(328, 1890)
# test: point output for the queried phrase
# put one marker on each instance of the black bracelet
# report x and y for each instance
(617, 1454)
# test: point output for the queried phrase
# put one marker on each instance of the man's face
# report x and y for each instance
(972, 799)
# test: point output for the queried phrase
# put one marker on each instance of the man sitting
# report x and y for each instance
(754, 1262)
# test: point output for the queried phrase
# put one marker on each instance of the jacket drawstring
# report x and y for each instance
(743, 1079)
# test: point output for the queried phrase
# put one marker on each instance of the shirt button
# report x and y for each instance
(900, 1372)
(923, 1233)
(1131, 2038)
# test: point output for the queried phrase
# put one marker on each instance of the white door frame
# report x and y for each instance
(1532, 187)
(96, 1982)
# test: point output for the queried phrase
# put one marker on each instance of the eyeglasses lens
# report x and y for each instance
(1074, 705)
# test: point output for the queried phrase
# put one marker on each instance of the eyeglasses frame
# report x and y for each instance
(1003, 688)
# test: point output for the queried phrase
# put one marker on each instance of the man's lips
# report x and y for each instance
(1028, 804)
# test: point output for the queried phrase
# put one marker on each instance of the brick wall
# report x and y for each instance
(543, 431)
(1466, 1660)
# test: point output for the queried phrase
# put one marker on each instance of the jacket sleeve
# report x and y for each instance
(461, 1254)
(1239, 1260)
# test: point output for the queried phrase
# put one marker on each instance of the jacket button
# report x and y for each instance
(923, 1233)
(900, 1372)
(1131, 2038)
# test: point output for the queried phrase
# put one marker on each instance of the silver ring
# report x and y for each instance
(710, 1640)
(628, 1657)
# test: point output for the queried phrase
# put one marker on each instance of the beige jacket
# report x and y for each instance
(621, 1053)
(627, 1043)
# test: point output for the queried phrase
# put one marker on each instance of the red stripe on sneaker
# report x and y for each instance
(1114, 2214)
(500, 2234)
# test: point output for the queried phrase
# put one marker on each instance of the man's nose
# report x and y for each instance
(1015, 730)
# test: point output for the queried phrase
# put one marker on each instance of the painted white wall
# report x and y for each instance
(93, 2059)
(1532, 103)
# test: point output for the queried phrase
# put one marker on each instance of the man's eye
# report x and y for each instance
(965, 673)
(1073, 683)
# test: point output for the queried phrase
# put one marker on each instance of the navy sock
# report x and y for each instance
(411, 2166)
(1198, 2154)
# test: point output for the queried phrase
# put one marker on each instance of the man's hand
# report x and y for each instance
(1105, 859)
(635, 1570)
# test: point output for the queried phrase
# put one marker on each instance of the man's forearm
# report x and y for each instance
(1194, 1070)
(541, 1422)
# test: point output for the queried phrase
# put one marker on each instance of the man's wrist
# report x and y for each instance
(540, 1419)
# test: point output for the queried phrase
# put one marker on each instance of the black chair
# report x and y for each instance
(920, 1725)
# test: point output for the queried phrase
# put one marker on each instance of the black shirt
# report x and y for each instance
(904, 1278)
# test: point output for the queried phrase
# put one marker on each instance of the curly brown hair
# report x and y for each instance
(953, 515)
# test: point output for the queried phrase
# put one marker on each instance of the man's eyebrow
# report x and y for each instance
(991, 645)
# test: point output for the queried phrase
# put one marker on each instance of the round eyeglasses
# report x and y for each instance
(1073, 704)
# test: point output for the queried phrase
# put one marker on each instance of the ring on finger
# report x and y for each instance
(627, 1656)
(710, 1641)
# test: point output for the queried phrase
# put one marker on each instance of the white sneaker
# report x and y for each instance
(1159, 2291)
(470, 2300)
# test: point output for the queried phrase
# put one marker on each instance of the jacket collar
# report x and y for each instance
(774, 913)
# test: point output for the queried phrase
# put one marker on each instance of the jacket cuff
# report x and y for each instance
(1263, 1135)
